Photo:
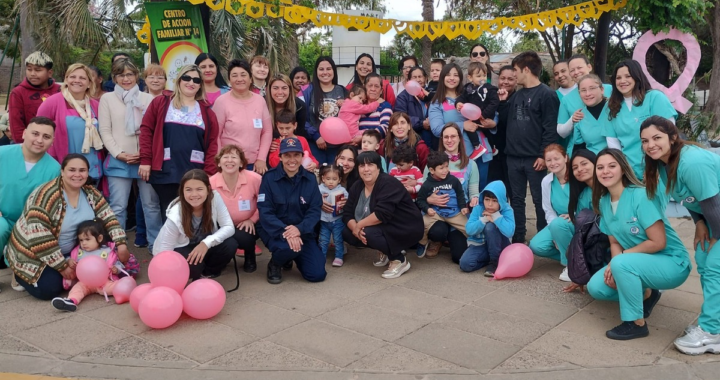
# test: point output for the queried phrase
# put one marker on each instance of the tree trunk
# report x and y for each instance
(294, 47)
(569, 36)
(601, 44)
(713, 103)
(29, 45)
(658, 65)
(428, 15)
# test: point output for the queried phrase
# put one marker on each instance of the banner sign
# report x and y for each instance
(177, 34)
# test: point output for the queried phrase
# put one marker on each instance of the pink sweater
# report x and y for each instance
(245, 123)
(57, 109)
(351, 111)
(243, 204)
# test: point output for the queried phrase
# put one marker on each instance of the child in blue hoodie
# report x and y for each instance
(490, 227)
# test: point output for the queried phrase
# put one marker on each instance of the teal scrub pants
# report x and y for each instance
(560, 232)
(708, 265)
(5, 230)
(633, 273)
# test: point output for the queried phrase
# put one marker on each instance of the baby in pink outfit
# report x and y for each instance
(353, 108)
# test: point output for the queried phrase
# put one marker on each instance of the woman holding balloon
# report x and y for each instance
(199, 227)
(412, 101)
(45, 235)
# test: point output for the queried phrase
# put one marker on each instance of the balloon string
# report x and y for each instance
(105, 294)
(126, 273)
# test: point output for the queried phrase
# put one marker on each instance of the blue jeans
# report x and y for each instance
(324, 156)
(335, 229)
(478, 256)
(119, 189)
(483, 169)
(140, 228)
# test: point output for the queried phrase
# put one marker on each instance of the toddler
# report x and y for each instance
(404, 157)
(93, 241)
(371, 143)
(331, 222)
(285, 125)
(353, 108)
(482, 94)
(436, 67)
(490, 227)
(454, 212)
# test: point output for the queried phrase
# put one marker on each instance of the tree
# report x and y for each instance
(428, 15)
(712, 106)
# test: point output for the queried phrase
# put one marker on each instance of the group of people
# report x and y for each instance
(220, 164)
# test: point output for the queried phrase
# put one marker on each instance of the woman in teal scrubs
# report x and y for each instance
(588, 127)
(646, 252)
(632, 101)
(555, 198)
(692, 175)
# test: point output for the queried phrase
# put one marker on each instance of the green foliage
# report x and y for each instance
(658, 15)
(389, 62)
(529, 41)
(695, 122)
(443, 48)
(318, 44)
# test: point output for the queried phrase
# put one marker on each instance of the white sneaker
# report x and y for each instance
(381, 261)
(564, 275)
(697, 342)
(396, 269)
(14, 284)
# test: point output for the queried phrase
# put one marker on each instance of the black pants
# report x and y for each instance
(441, 232)
(47, 287)
(246, 242)
(498, 171)
(215, 259)
(376, 239)
(166, 192)
(520, 173)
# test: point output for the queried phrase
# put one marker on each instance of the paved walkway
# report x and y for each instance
(434, 321)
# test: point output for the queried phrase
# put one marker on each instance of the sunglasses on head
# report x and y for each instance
(188, 78)
(482, 54)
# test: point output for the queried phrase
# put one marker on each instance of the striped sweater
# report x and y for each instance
(33, 245)
(378, 120)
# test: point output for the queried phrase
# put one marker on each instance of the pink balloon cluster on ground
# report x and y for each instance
(161, 302)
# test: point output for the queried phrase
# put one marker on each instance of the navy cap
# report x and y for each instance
(290, 144)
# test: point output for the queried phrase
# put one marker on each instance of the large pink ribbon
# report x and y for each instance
(675, 92)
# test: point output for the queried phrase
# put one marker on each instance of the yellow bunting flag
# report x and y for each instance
(296, 14)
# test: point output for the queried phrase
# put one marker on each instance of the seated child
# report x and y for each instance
(436, 67)
(405, 171)
(93, 241)
(490, 228)
(285, 124)
(331, 223)
(353, 108)
(371, 143)
(482, 94)
(454, 212)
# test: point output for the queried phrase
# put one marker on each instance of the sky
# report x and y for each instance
(407, 10)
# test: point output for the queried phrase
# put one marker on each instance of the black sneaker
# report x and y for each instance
(490, 270)
(288, 265)
(627, 331)
(141, 241)
(274, 273)
(249, 266)
(64, 304)
(210, 275)
(518, 239)
(650, 302)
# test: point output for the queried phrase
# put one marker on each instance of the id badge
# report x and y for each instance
(197, 157)
(244, 205)
(257, 123)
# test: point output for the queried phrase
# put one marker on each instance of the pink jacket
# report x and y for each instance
(56, 108)
(351, 111)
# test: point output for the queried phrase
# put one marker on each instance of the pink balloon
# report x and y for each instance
(515, 261)
(161, 307)
(413, 88)
(203, 299)
(169, 269)
(123, 288)
(93, 271)
(137, 295)
(335, 131)
(471, 111)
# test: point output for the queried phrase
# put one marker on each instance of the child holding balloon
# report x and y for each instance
(353, 108)
(94, 241)
(481, 94)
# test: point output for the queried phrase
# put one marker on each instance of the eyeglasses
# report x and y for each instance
(188, 78)
(476, 53)
(407, 67)
(155, 77)
(589, 89)
(125, 76)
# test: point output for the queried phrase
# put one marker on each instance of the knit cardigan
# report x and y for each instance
(33, 244)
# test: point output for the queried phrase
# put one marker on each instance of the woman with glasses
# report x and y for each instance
(178, 133)
(479, 53)
(588, 125)
(155, 79)
(406, 63)
(120, 116)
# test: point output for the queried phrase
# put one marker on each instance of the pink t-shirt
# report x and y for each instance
(243, 204)
(245, 123)
(212, 96)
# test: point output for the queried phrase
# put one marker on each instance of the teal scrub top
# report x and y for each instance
(589, 131)
(572, 102)
(16, 183)
(559, 196)
(698, 177)
(584, 200)
(635, 214)
(626, 126)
